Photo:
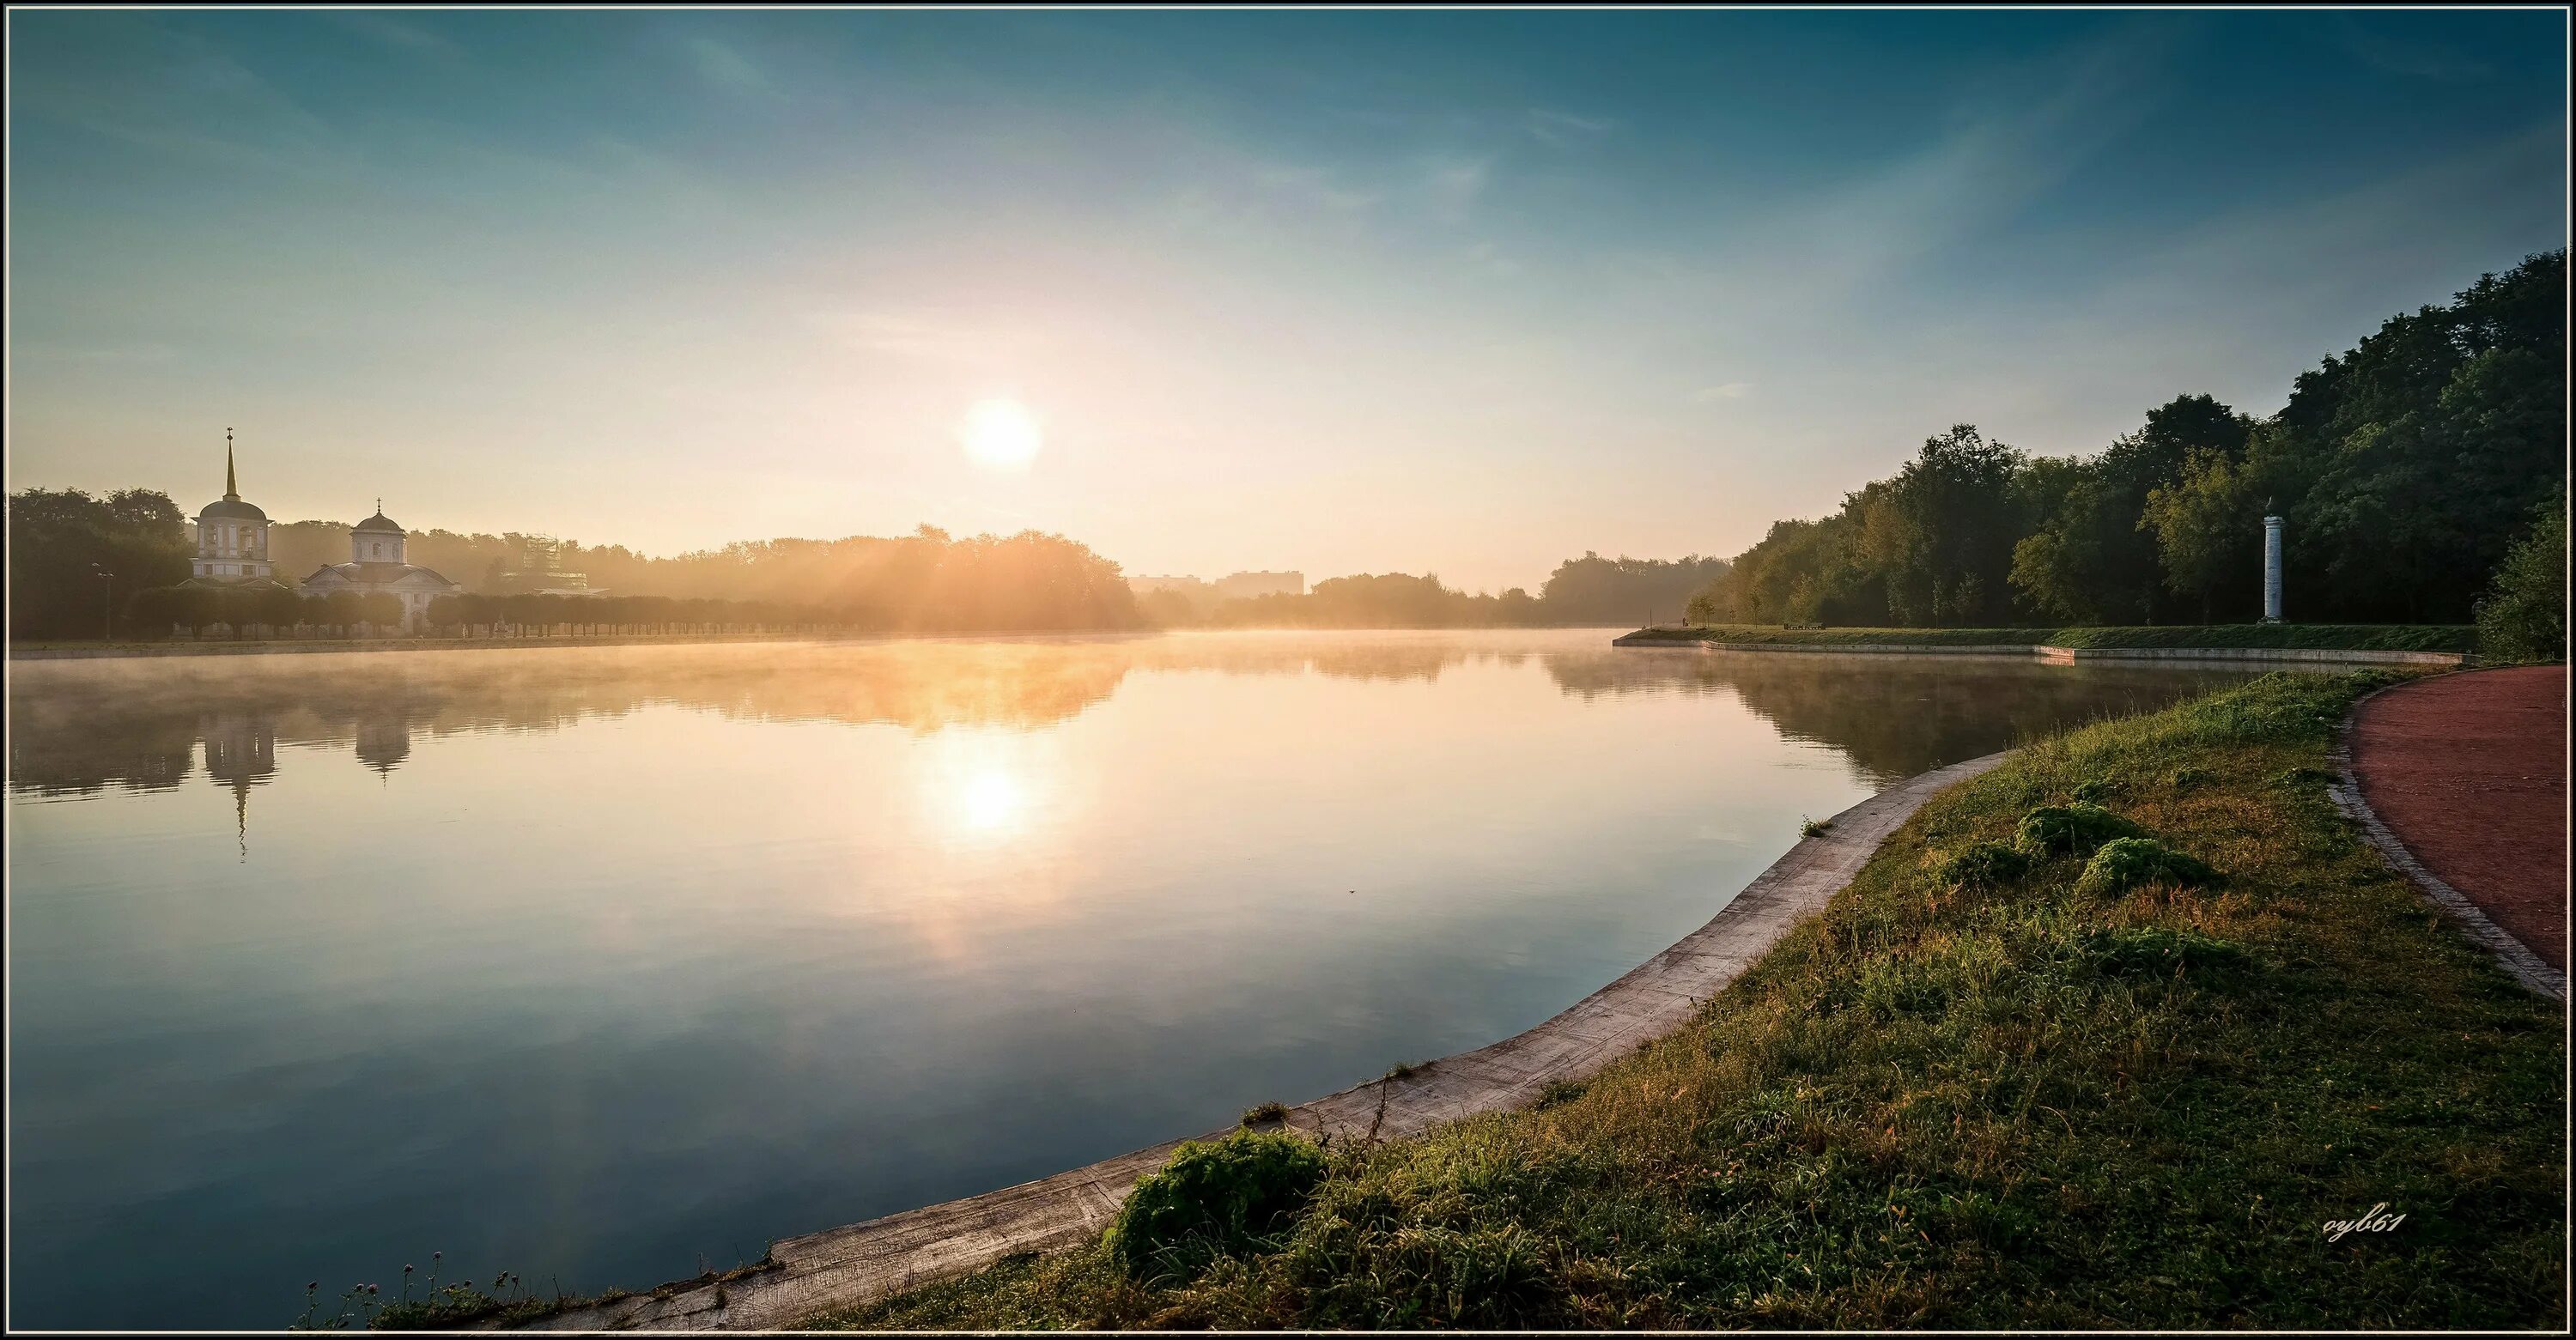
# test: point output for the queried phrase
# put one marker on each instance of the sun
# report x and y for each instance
(1001, 434)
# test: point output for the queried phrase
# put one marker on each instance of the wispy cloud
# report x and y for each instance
(179, 93)
(727, 69)
(383, 28)
(1300, 186)
(1565, 130)
(1722, 391)
(1451, 187)
(2421, 59)
(1492, 257)
(930, 335)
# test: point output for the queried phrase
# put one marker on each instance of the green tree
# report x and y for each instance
(2088, 559)
(153, 611)
(62, 541)
(2524, 615)
(342, 610)
(277, 606)
(383, 613)
(1623, 590)
(1941, 536)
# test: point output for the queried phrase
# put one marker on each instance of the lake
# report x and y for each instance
(610, 965)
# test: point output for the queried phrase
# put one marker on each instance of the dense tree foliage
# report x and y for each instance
(1597, 591)
(528, 614)
(1590, 591)
(1394, 600)
(924, 582)
(2524, 616)
(73, 558)
(2404, 468)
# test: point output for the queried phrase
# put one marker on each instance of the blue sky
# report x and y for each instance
(1441, 291)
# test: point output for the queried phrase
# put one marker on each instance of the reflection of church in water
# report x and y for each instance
(241, 753)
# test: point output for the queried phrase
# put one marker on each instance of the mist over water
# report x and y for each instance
(608, 965)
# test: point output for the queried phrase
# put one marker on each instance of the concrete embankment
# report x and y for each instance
(847, 1267)
(2065, 655)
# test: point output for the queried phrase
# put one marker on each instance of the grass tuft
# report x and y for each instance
(1210, 1201)
(2123, 864)
(1980, 866)
(2076, 829)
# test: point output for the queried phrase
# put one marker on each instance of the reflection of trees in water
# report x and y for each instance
(142, 751)
(1894, 716)
(78, 726)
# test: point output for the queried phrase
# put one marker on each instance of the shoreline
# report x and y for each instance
(860, 1263)
(2051, 655)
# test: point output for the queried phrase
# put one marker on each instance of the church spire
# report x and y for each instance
(232, 491)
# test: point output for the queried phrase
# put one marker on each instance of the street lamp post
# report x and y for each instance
(107, 621)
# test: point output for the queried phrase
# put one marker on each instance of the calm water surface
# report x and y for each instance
(608, 965)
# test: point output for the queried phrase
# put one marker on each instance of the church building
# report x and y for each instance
(232, 551)
(232, 536)
(376, 564)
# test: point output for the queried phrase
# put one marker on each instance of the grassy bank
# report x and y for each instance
(1977, 1093)
(2338, 637)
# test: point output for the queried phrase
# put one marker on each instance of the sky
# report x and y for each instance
(1429, 291)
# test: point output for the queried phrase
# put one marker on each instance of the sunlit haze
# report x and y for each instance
(1462, 293)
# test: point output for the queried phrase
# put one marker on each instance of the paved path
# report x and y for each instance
(844, 1267)
(2470, 773)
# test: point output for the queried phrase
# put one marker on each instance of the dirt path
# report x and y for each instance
(2470, 772)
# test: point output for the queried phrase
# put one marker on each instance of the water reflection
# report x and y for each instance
(1893, 716)
(78, 727)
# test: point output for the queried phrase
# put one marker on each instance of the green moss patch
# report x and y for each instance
(2075, 829)
(1211, 1200)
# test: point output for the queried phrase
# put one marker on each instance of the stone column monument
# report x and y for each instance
(2271, 569)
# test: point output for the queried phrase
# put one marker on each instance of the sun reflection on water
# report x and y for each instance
(984, 788)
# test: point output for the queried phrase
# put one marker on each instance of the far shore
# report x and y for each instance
(2350, 644)
(80, 651)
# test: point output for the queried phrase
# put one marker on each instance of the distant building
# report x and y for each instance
(232, 536)
(1145, 586)
(376, 565)
(1240, 586)
(1249, 585)
(541, 572)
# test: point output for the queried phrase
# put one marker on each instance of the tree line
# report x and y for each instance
(2404, 468)
(273, 610)
(76, 562)
(527, 614)
(1590, 591)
